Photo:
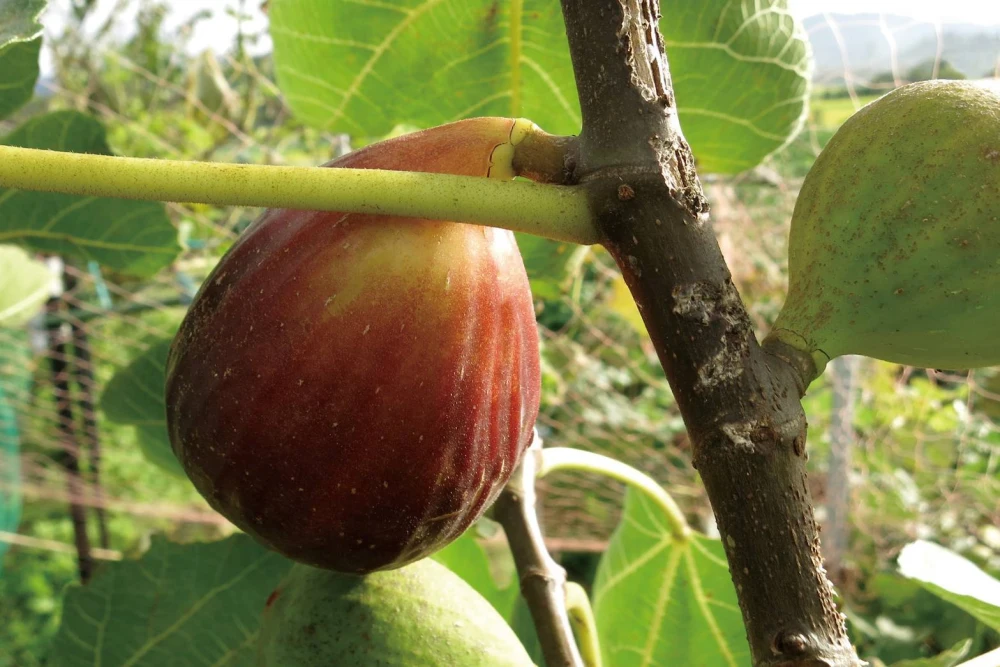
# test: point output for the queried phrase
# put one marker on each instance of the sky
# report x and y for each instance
(986, 12)
(221, 28)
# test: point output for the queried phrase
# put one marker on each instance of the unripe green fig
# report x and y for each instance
(355, 390)
(421, 615)
(894, 249)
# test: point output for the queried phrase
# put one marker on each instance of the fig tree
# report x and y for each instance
(895, 237)
(354, 390)
(421, 615)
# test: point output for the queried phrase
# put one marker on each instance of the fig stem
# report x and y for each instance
(581, 617)
(552, 211)
(794, 350)
(567, 458)
(542, 580)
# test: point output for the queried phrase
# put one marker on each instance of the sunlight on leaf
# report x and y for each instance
(20, 44)
(953, 578)
(741, 71)
(24, 286)
(362, 68)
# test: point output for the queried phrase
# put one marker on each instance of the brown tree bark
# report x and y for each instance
(739, 402)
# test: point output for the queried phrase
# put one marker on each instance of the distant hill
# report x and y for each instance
(866, 45)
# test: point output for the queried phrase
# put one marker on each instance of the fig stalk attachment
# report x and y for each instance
(554, 211)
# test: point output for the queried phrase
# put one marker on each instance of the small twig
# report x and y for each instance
(68, 458)
(542, 580)
(581, 617)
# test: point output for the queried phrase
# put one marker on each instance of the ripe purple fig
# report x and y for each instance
(354, 390)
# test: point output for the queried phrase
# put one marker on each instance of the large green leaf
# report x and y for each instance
(953, 578)
(20, 43)
(24, 286)
(741, 72)
(180, 604)
(132, 237)
(365, 67)
(661, 601)
(740, 69)
(19, 20)
(134, 396)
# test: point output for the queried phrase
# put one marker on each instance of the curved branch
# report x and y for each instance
(581, 617)
(543, 581)
(567, 458)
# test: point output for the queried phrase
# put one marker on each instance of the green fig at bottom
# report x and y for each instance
(420, 615)
(894, 249)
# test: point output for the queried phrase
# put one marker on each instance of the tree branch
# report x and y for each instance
(740, 403)
(543, 581)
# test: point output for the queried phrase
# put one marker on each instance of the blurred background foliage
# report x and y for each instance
(926, 460)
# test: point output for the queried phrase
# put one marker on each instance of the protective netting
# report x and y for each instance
(926, 457)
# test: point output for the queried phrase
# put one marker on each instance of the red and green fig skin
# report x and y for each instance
(354, 390)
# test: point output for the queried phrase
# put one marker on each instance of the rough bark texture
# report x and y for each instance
(740, 403)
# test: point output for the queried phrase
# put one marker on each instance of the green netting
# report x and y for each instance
(15, 383)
